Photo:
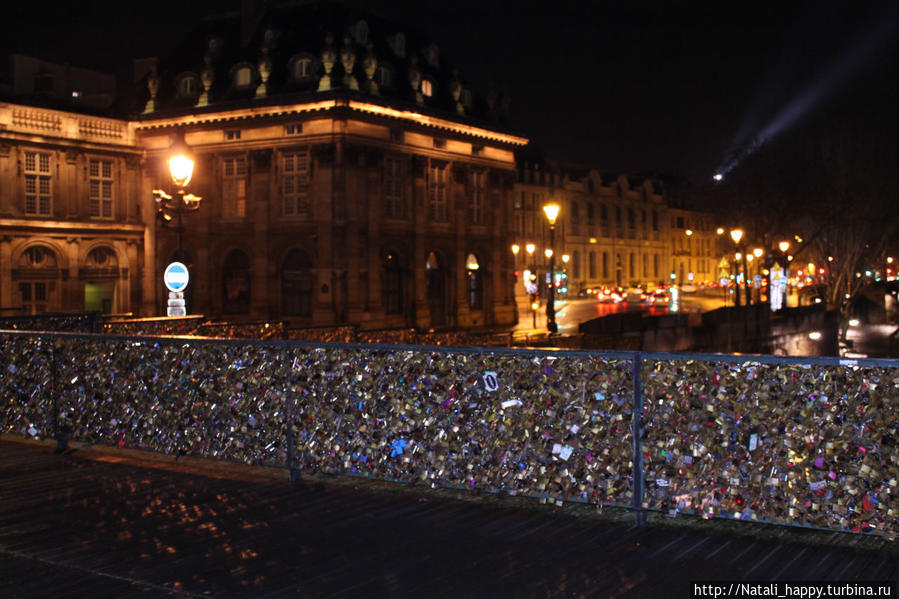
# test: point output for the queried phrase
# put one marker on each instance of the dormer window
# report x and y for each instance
(188, 85)
(242, 76)
(384, 76)
(302, 68)
(465, 97)
(427, 88)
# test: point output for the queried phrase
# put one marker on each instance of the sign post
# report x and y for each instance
(176, 278)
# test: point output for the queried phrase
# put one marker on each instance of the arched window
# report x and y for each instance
(475, 283)
(236, 283)
(242, 75)
(38, 273)
(592, 265)
(576, 264)
(392, 284)
(101, 257)
(302, 67)
(427, 88)
(605, 265)
(188, 85)
(297, 284)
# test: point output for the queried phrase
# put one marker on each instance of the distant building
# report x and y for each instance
(694, 255)
(616, 231)
(37, 82)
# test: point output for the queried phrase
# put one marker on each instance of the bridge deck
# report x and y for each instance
(101, 523)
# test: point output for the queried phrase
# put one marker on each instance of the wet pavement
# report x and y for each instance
(99, 522)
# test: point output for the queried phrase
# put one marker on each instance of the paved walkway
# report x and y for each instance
(102, 523)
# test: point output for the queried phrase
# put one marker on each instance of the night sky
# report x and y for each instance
(638, 87)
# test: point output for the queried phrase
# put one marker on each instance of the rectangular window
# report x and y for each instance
(295, 183)
(476, 198)
(393, 187)
(439, 143)
(293, 129)
(234, 188)
(100, 179)
(37, 183)
(34, 297)
(232, 134)
(437, 193)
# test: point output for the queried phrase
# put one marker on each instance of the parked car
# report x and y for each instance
(688, 288)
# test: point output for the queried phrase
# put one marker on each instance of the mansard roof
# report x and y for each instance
(344, 53)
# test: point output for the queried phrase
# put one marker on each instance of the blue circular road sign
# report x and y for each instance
(175, 277)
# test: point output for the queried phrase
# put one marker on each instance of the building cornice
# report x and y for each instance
(333, 105)
(66, 227)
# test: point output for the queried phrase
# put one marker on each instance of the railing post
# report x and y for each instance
(61, 434)
(288, 415)
(639, 515)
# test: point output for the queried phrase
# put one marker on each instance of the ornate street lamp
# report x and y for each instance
(168, 206)
(552, 213)
(737, 235)
(171, 206)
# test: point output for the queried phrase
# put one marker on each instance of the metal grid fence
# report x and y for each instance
(805, 442)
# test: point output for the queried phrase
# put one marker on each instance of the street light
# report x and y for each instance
(181, 170)
(530, 248)
(737, 235)
(552, 213)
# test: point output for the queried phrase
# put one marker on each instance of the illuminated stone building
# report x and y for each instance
(614, 229)
(694, 247)
(349, 174)
(73, 232)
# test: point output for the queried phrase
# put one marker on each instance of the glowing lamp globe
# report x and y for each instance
(181, 168)
(552, 212)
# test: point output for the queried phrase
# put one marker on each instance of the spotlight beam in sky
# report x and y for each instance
(842, 71)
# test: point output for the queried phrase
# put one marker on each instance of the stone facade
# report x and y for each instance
(617, 231)
(73, 222)
(339, 213)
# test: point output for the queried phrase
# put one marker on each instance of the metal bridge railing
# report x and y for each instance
(806, 442)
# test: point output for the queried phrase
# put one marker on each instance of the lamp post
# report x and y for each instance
(565, 259)
(532, 281)
(758, 253)
(169, 206)
(737, 235)
(552, 213)
(181, 169)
